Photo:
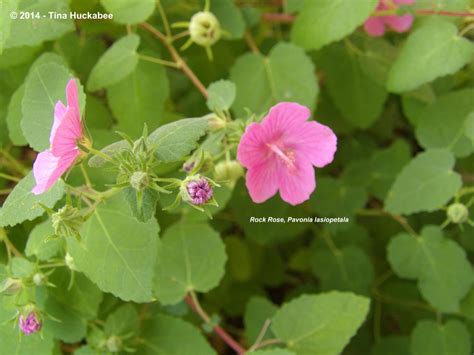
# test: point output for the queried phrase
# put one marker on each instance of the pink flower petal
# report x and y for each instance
(47, 169)
(262, 181)
(67, 133)
(72, 96)
(404, 2)
(252, 150)
(59, 113)
(375, 26)
(399, 23)
(282, 117)
(298, 187)
(317, 142)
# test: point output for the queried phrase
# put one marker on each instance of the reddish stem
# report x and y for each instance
(444, 13)
(217, 329)
(287, 18)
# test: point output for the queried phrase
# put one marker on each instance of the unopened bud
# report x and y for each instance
(228, 171)
(139, 180)
(216, 123)
(114, 344)
(204, 29)
(69, 260)
(457, 213)
(39, 279)
(67, 221)
(10, 286)
(196, 190)
(29, 321)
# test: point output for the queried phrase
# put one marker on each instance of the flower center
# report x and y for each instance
(287, 156)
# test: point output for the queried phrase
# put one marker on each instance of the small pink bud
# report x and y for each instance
(199, 191)
(29, 325)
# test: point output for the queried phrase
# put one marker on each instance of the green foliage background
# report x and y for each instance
(397, 279)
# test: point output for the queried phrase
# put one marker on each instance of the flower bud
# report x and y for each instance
(228, 171)
(29, 323)
(216, 123)
(114, 344)
(67, 221)
(69, 260)
(10, 286)
(204, 29)
(457, 213)
(39, 279)
(189, 165)
(139, 180)
(196, 190)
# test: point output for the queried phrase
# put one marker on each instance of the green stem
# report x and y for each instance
(9, 177)
(158, 61)
(164, 18)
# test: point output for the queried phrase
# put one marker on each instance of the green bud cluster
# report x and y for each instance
(67, 221)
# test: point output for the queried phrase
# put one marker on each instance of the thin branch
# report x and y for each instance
(181, 64)
(261, 334)
(251, 43)
(193, 302)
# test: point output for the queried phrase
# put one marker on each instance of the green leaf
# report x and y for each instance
(73, 306)
(115, 64)
(221, 95)
(168, 335)
(345, 269)
(426, 183)
(44, 86)
(6, 8)
(21, 267)
(143, 207)
(116, 251)
(14, 116)
(431, 338)
(287, 74)
(324, 21)
(443, 272)
(21, 204)
(424, 58)
(129, 11)
(258, 311)
(271, 352)
(392, 345)
(334, 198)
(191, 257)
(356, 93)
(176, 139)
(435, 131)
(230, 17)
(38, 244)
(37, 30)
(320, 324)
(123, 321)
(139, 98)
(112, 149)
(469, 127)
(385, 164)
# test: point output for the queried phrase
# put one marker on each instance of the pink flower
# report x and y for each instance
(66, 131)
(280, 152)
(375, 26)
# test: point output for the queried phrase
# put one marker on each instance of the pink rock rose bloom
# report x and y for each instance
(51, 164)
(375, 26)
(280, 152)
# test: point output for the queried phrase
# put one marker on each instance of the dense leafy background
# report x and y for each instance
(397, 279)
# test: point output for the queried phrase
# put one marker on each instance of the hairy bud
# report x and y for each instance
(204, 29)
(11, 286)
(39, 279)
(114, 344)
(228, 171)
(139, 180)
(196, 190)
(69, 260)
(457, 213)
